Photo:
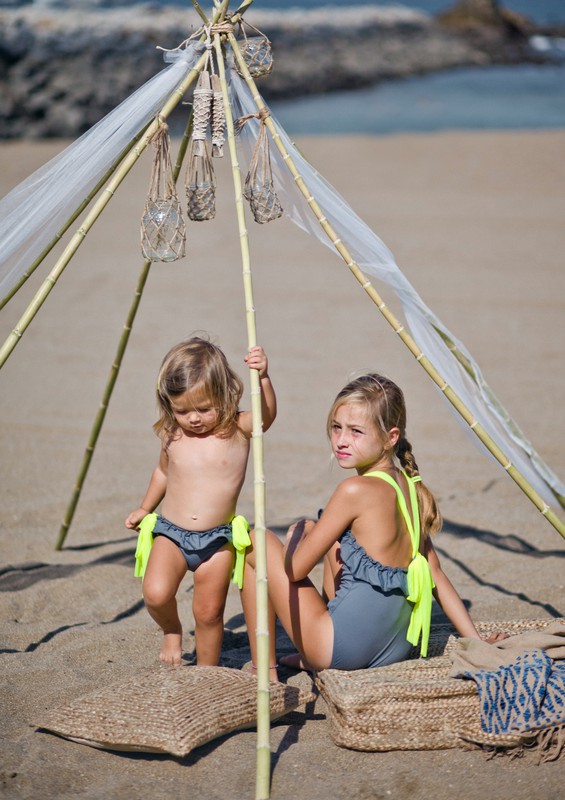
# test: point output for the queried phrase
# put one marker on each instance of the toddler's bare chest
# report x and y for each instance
(208, 455)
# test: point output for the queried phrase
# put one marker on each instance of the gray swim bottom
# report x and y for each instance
(196, 546)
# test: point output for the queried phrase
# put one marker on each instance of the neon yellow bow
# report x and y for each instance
(420, 585)
(144, 544)
(419, 577)
(241, 541)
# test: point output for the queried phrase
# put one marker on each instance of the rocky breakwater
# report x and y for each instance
(61, 70)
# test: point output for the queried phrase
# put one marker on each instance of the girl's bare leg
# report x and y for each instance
(249, 605)
(301, 610)
(332, 572)
(165, 570)
(211, 583)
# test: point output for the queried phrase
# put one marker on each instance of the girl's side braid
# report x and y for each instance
(429, 512)
(406, 457)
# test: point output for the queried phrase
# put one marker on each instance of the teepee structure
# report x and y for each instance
(219, 64)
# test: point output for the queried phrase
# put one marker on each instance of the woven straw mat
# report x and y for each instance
(412, 705)
(169, 710)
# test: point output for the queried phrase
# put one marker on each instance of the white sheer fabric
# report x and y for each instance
(376, 260)
(33, 213)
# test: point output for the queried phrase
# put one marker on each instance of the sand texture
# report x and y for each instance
(477, 223)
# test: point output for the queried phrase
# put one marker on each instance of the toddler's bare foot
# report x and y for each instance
(295, 661)
(171, 649)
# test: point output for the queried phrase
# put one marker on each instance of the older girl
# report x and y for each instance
(380, 566)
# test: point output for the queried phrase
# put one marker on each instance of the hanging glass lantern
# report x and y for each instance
(163, 230)
(259, 189)
(257, 54)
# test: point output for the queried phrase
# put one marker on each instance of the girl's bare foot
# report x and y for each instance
(295, 661)
(171, 649)
(273, 676)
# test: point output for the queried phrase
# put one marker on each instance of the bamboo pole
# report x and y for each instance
(59, 235)
(115, 369)
(263, 768)
(398, 328)
(119, 174)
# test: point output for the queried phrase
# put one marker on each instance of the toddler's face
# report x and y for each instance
(194, 412)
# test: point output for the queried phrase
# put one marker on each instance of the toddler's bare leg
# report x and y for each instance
(165, 570)
(211, 583)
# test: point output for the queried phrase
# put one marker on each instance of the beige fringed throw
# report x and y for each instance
(521, 685)
(163, 230)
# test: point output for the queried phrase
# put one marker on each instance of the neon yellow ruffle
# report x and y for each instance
(241, 541)
(144, 544)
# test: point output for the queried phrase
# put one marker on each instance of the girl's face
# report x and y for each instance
(194, 412)
(356, 441)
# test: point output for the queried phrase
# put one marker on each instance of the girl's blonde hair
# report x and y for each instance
(384, 401)
(197, 365)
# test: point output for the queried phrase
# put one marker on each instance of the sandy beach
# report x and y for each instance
(477, 223)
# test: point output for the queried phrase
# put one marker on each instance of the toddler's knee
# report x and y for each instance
(156, 594)
(208, 614)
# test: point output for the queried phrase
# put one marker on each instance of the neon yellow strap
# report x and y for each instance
(144, 544)
(419, 578)
(241, 541)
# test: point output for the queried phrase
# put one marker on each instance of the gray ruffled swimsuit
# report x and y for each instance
(370, 612)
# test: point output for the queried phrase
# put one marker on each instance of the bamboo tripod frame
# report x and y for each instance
(395, 324)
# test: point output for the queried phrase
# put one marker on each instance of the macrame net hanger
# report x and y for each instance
(200, 180)
(259, 189)
(256, 52)
(163, 230)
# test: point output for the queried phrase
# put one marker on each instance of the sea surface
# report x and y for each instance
(517, 97)
(523, 97)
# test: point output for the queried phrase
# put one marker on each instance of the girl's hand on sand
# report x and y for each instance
(495, 636)
(256, 359)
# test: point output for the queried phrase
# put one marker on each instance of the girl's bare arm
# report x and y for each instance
(308, 541)
(450, 602)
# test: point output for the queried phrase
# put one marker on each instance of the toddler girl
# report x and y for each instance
(205, 442)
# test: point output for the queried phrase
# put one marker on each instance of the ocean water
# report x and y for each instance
(516, 97)
(522, 97)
